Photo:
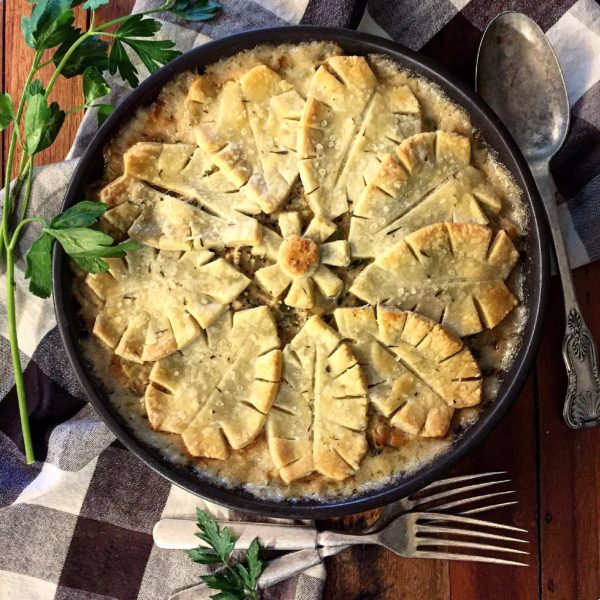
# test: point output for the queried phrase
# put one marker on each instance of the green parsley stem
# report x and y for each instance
(46, 63)
(29, 169)
(164, 6)
(76, 108)
(10, 268)
(65, 60)
(12, 147)
(16, 357)
(17, 231)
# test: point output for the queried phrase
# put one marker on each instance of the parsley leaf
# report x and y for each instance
(39, 266)
(255, 565)
(195, 10)
(221, 540)
(7, 113)
(50, 24)
(153, 53)
(94, 85)
(104, 111)
(87, 247)
(42, 123)
(92, 52)
(236, 581)
(203, 556)
(118, 61)
(82, 214)
(35, 87)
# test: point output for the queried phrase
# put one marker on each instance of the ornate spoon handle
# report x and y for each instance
(582, 402)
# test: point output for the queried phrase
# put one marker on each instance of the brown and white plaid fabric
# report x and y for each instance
(77, 525)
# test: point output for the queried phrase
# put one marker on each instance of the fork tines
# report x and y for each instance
(431, 499)
(442, 536)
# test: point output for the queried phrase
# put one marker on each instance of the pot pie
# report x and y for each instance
(328, 288)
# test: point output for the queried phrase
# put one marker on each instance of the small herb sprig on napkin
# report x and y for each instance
(36, 121)
(237, 581)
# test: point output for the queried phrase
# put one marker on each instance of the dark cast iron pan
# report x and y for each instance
(536, 256)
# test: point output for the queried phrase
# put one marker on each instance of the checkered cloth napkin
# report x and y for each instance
(77, 524)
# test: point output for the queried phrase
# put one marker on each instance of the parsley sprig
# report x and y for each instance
(237, 581)
(114, 47)
(86, 247)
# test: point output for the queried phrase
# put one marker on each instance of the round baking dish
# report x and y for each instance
(536, 258)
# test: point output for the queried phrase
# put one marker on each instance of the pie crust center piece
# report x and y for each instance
(299, 256)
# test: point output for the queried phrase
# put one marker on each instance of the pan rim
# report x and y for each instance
(490, 127)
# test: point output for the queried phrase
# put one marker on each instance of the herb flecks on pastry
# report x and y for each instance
(250, 133)
(218, 390)
(156, 302)
(417, 371)
(319, 416)
(187, 170)
(168, 223)
(350, 122)
(301, 259)
(426, 180)
(451, 272)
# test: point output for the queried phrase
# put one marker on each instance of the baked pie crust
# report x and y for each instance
(391, 207)
(319, 417)
(392, 249)
(451, 272)
(217, 391)
(301, 259)
(417, 371)
(156, 302)
(250, 132)
(349, 121)
(168, 223)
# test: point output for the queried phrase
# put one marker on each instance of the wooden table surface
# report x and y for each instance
(555, 471)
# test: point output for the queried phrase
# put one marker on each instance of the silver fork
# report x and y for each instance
(424, 534)
(432, 497)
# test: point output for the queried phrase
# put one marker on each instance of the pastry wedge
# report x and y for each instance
(218, 390)
(453, 273)
(156, 302)
(380, 219)
(319, 416)
(250, 134)
(417, 371)
(169, 223)
(350, 122)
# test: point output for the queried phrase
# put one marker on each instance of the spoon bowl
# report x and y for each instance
(519, 77)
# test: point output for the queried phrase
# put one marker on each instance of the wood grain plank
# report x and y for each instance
(569, 463)
(114, 10)
(67, 92)
(366, 572)
(511, 447)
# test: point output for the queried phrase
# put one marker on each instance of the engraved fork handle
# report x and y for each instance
(582, 401)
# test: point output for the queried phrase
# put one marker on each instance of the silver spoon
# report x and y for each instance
(518, 75)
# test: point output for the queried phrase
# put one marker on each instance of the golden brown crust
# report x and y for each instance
(319, 417)
(157, 302)
(217, 391)
(427, 180)
(350, 121)
(451, 272)
(301, 261)
(418, 372)
(298, 255)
